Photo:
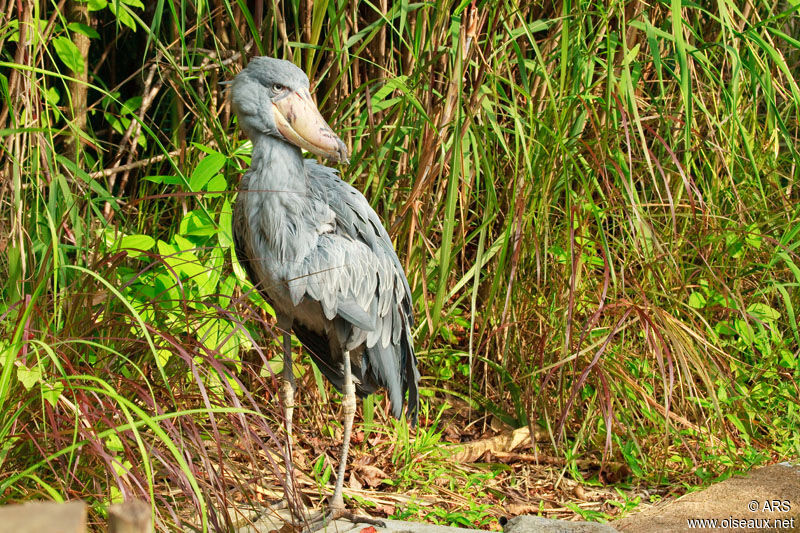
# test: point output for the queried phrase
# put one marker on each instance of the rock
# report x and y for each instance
(537, 524)
(276, 522)
(44, 517)
(767, 499)
(130, 517)
(398, 526)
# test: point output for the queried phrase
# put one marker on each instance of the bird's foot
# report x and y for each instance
(335, 513)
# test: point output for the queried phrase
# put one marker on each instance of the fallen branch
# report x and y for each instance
(541, 459)
(503, 443)
(136, 164)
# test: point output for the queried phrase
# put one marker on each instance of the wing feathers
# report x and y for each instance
(355, 275)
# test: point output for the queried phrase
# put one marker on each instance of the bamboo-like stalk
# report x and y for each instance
(78, 12)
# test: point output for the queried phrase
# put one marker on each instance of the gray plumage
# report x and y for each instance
(312, 244)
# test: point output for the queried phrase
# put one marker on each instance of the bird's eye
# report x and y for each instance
(277, 88)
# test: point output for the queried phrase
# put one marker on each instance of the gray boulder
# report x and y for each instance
(537, 524)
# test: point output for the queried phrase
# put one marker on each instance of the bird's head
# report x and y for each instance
(271, 97)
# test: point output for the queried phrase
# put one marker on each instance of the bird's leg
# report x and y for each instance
(288, 387)
(337, 508)
(349, 410)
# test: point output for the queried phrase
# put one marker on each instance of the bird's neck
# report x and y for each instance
(277, 168)
(275, 199)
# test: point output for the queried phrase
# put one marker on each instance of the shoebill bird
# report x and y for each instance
(319, 254)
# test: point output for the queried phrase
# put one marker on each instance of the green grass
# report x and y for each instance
(596, 205)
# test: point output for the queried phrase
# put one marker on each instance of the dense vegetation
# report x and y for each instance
(596, 204)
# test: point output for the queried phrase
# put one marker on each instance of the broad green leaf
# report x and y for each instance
(116, 495)
(83, 29)
(123, 468)
(187, 262)
(114, 443)
(733, 419)
(121, 12)
(753, 240)
(745, 331)
(226, 288)
(96, 5)
(135, 243)
(763, 312)
(724, 328)
(165, 248)
(697, 300)
(166, 290)
(69, 54)
(131, 105)
(31, 30)
(51, 393)
(205, 170)
(217, 185)
(214, 269)
(163, 356)
(198, 224)
(29, 377)
(225, 234)
(52, 96)
(119, 124)
(184, 244)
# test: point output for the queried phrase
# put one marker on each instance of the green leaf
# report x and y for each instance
(27, 377)
(114, 443)
(733, 419)
(166, 291)
(69, 54)
(213, 273)
(631, 55)
(134, 243)
(96, 5)
(166, 249)
(122, 468)
(13, 26)
(83, 29)
(163, 356)
(753, 240)
(51, 393)
(225, 234)
(184, 244)
(118, 124)
(724, 328)
(30, 29)
(745, 331)
(121, 12)
(226, 288)
(763, 312)
(187, 262)
(197, 223)
(168, 180)
(697, 300)
(115, 495)
(52, 96)
(205, 170)
(131, 105)
(217, 185)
